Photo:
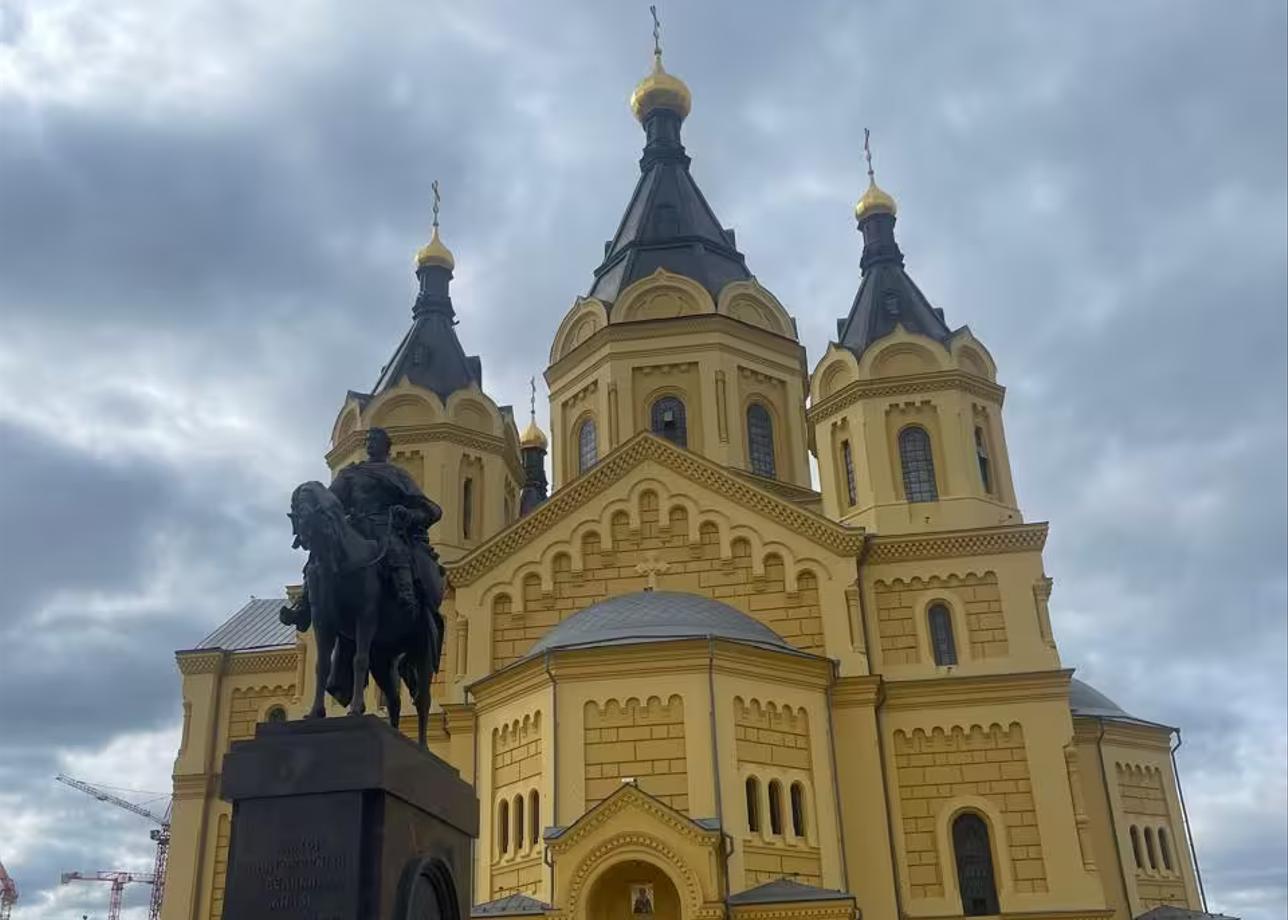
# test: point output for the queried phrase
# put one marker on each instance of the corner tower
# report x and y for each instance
(906, 413)
(675, 335)
(459, 445)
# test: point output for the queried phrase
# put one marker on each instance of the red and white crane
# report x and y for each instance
(8, 893)
(160, 835)
(118, 880)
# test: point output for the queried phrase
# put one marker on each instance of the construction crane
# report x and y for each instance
(160, 835)
(118, 880)
(8, 893)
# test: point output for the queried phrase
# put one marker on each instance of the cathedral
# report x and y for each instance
(687, 677)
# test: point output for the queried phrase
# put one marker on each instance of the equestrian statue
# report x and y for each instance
(372, 584)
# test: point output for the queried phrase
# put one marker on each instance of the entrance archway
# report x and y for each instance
(623, 891)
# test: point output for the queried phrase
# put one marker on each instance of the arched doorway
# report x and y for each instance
(629, 889)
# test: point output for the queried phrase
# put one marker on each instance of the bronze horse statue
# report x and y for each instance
(357, 618)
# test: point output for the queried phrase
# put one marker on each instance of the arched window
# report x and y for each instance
(847, 461)
(1150, 850)
(518, 823)
(775, 807)
(467, 508)
(1164, 849)
(974, 865)
(667, 419)
(941, 635)
(534, 817)
(918, 465)
(798, 809)
(1135, 847)
(760, 440)
(981, 455)
(503, 827)
(275, 714)
(753, 803)
(587, 446)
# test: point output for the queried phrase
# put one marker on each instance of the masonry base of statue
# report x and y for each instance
(345, 819)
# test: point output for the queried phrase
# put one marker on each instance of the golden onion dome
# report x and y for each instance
(875, 200)
(660, 90)
(533, 436)
(435, 253)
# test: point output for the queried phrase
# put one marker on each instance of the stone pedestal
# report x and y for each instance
(345, 819)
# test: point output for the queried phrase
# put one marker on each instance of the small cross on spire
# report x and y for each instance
(657, 32)
(437, 200)
(867, 153)
(532, 398)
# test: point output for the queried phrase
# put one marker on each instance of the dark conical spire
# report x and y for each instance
(430, 355)
(887, 296)
(668, 223)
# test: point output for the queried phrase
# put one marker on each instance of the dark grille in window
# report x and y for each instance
(760, 440)
(918, 465)
(668, 420)
(587, 446)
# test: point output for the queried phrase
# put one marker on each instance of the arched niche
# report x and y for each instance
(662, 295)
(586, 317)
(749, 302)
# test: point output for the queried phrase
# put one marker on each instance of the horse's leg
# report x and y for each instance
(392, 690)
(424, 674)
(364, 630)
(324, 641)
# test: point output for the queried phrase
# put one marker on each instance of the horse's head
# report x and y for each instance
(316, 514)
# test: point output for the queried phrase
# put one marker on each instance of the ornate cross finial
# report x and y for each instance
(867, 153)
(650, 568)
(437, 200)
(532, 398)
(657, 32)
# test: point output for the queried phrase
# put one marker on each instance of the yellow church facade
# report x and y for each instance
(688, 683)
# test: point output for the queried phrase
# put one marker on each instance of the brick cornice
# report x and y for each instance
(267, 661)
(979, 690)
(841, 540)
(905, 386)
(987, 541)
(860, 690)
(199, 661)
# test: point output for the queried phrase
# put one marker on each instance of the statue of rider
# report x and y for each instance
(382, 499)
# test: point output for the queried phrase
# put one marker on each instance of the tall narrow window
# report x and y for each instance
(1135, 847)
(981, 455)
(1165, 849)
(587, 446)
(760, 440)
(798, 809)
(847, 461)
(518, 823)
(1149, 849)
(503, 827)
(918, 465)
(534, 817)
(753, 803)
(467, 508)
(974, 866)
(667, 419)
(775, 807)
(941, 635)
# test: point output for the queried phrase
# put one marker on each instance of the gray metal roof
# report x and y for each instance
(784, 891)
(254, 626)
(1170, 912)
(512, 905)
(657, 616)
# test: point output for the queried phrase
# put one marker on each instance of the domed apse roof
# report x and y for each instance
(1086, 700)
(657, 616)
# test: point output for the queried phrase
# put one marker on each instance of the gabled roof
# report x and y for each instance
(254, 626)
(617, 465)
(512, 905)
(630, 796)
(785, 891)
(668, 224)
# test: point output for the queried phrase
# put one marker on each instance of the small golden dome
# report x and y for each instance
(874, 201)
(533, 436)
(435, 253)
(660, 90)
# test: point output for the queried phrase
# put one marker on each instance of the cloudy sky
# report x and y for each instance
(208, 210)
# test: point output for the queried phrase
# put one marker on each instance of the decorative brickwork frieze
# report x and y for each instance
(250, 704)
(640, 740)
(901, 606)
(935, 772)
